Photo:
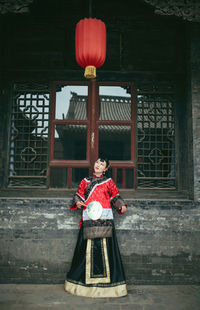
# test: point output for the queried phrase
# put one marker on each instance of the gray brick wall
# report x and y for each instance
(159, 240)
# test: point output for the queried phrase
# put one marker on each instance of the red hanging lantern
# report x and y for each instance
(90, 44)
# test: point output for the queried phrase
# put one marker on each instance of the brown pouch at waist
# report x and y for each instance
(97, 232)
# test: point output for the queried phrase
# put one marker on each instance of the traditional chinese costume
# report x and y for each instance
(96, 269)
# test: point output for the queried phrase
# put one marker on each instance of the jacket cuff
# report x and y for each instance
(117, 203)
(76, 198)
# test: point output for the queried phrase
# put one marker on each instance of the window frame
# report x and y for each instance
(123, 164)
(93, 124)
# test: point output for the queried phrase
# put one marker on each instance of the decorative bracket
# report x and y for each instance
(186, 9)
(14, 6)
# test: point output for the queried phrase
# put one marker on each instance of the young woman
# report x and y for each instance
(96, 269)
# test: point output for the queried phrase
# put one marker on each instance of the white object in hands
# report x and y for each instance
(94, 210)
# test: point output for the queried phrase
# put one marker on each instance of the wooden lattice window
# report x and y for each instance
(28, 156)
(156, 136)
(133, 126)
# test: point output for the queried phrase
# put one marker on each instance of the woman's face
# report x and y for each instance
(99, 167)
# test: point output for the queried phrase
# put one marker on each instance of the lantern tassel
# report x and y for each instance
(90, 72)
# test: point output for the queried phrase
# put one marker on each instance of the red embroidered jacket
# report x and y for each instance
(101, 189)
(105, 191)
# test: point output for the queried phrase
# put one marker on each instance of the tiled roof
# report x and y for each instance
(111, 108)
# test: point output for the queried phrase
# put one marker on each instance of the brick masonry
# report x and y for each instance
(159, 240)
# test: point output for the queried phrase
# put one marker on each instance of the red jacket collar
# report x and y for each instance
(94, 175)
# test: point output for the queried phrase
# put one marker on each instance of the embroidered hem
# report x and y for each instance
(94, 291)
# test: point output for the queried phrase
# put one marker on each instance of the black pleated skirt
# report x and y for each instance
(96, 269)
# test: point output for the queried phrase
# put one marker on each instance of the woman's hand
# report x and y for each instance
(80, 204)
(123, 209)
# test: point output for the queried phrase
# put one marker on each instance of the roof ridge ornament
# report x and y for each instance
(186, 9)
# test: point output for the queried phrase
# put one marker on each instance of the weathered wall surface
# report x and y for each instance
(195, 103)
(159, 241)
(4, 131)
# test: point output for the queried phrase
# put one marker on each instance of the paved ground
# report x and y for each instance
(53, 297)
